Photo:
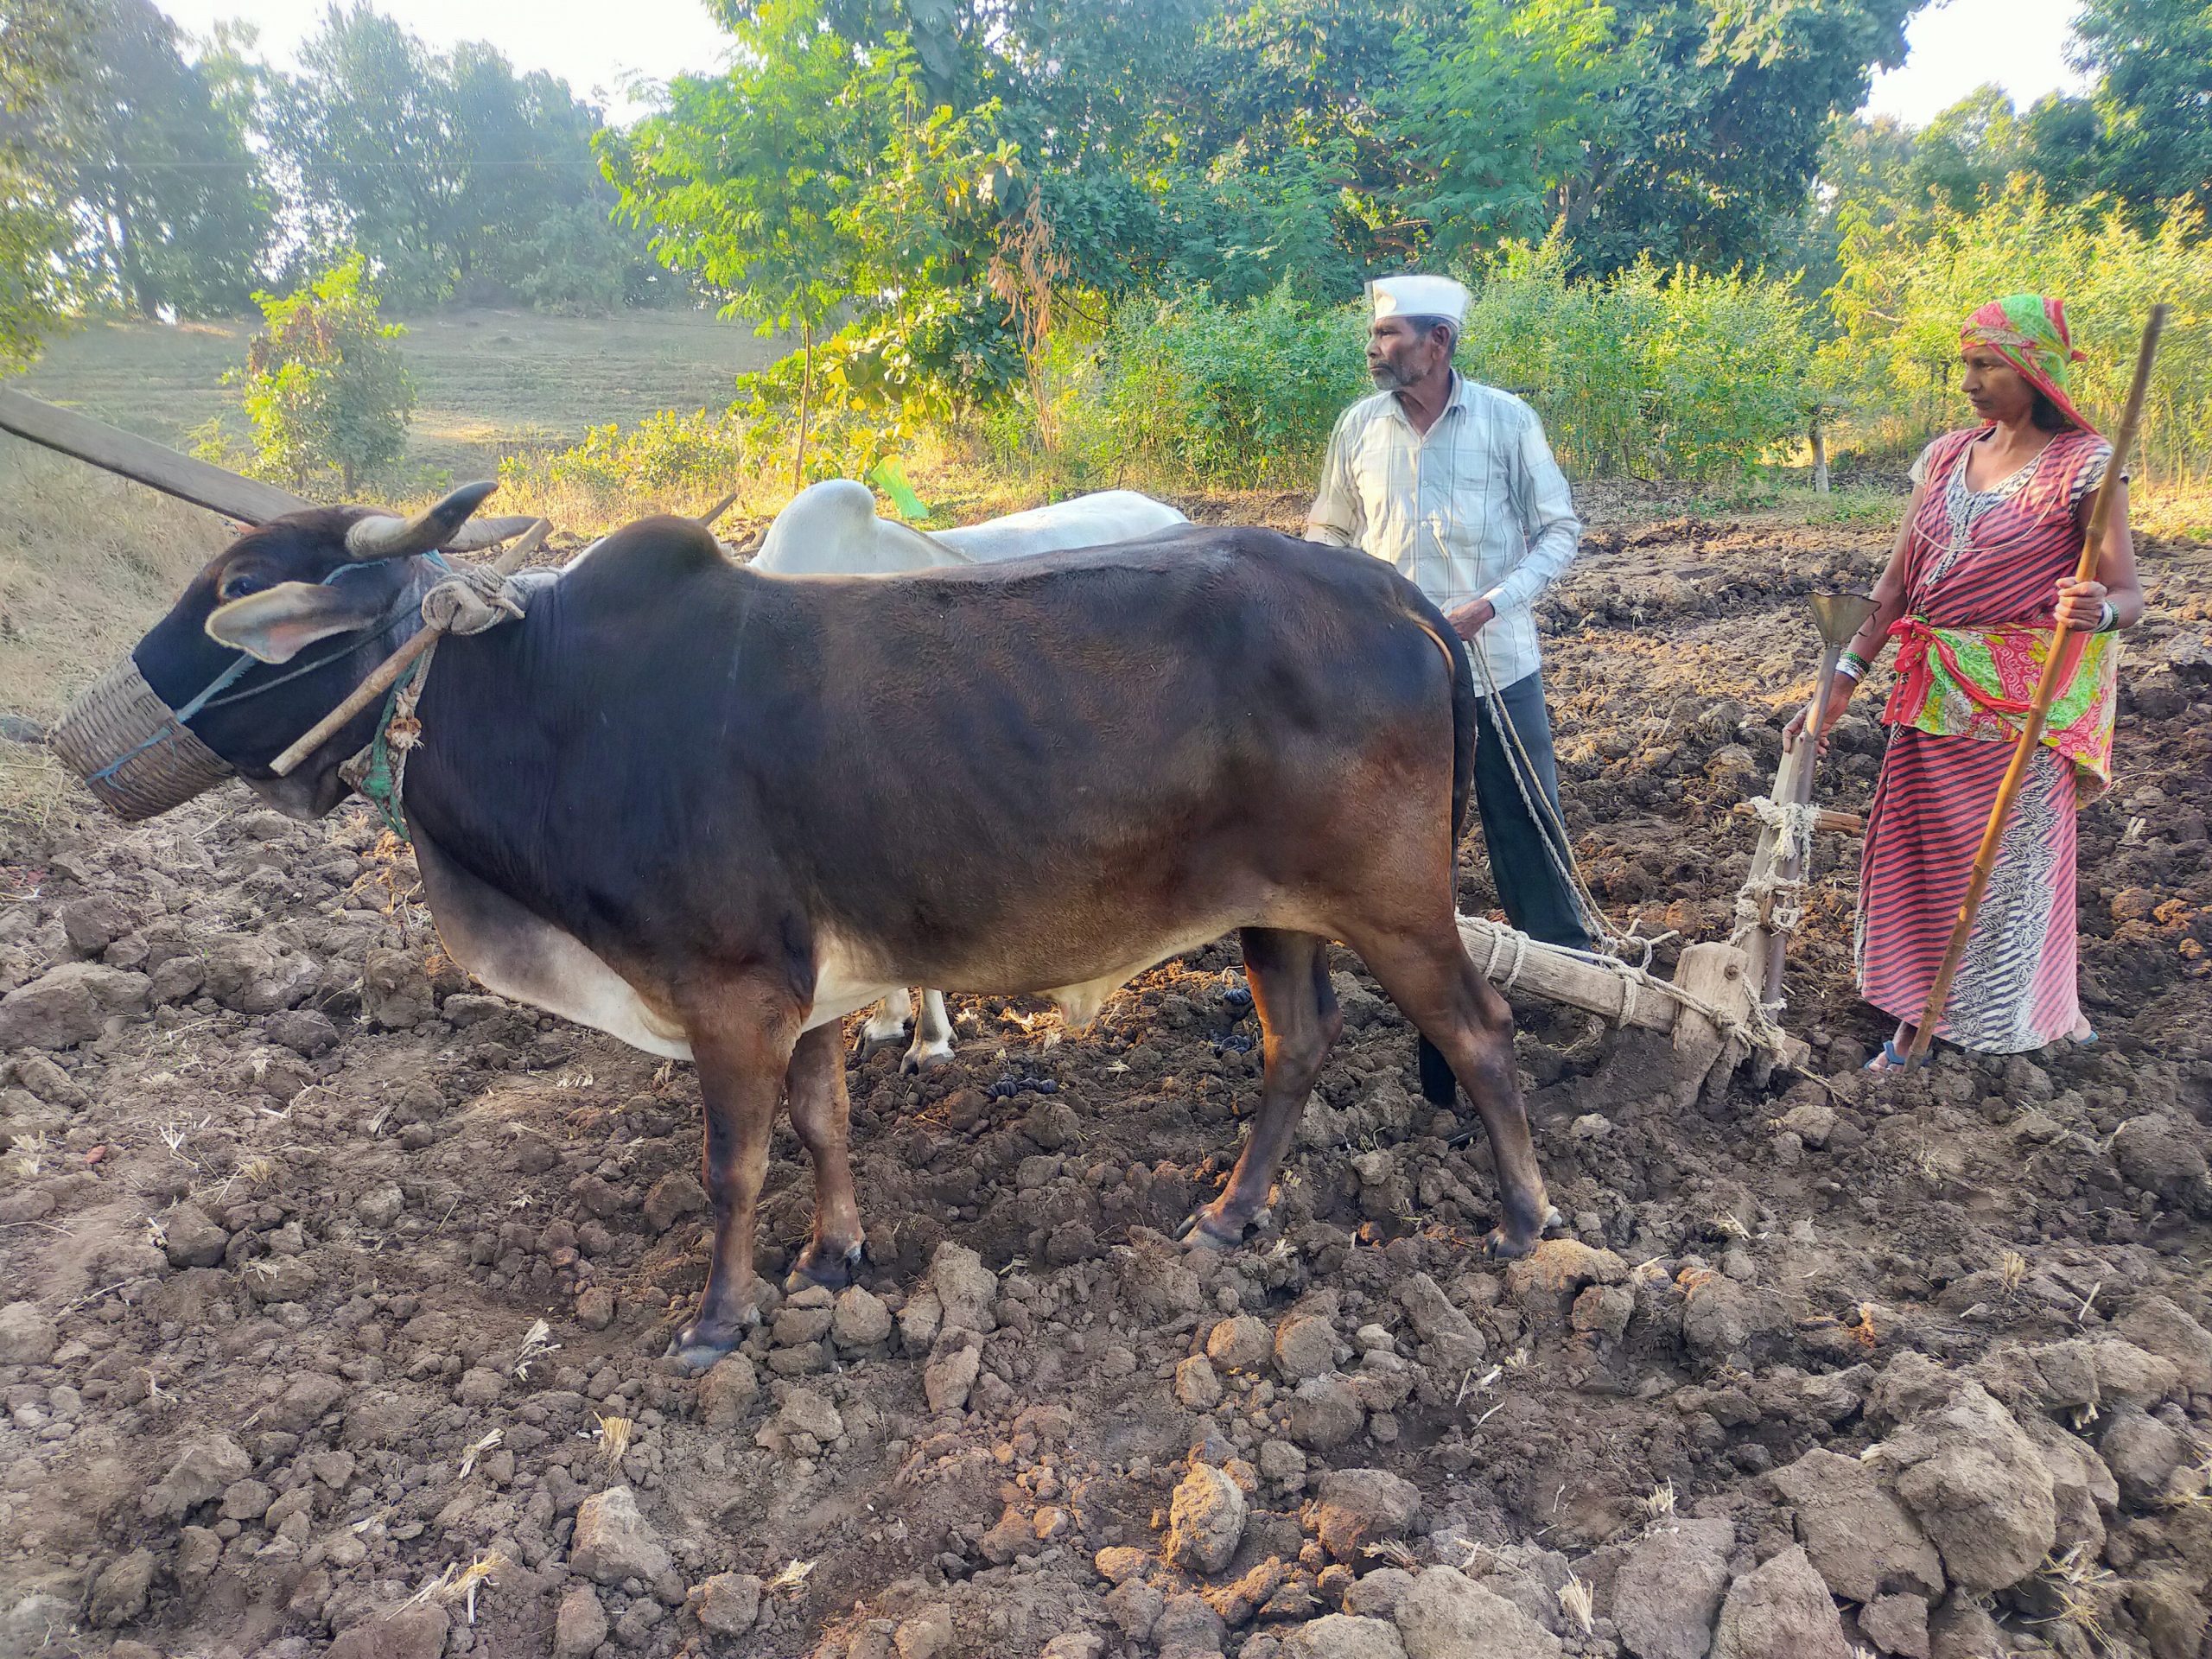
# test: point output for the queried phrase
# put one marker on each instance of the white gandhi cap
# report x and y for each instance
(1419, 297)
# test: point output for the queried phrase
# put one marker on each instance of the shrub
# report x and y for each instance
(665, 457)
(324, 386)
(1242, 396)
(1659, 373)
(1909, 285)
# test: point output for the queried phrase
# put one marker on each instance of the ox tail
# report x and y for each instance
(1437, 1086)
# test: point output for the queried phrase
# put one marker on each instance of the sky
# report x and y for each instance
(599, 46)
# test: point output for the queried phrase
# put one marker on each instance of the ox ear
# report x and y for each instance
(278, 623)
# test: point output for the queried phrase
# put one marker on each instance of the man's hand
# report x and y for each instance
(1469, 618)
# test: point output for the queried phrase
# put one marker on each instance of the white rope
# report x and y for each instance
(1782, 897)
(1549, 828)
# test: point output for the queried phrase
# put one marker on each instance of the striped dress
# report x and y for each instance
(1977, 558)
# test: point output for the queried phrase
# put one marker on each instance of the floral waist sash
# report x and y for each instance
(1979, 683)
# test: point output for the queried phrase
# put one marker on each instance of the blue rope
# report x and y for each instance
(228, 677)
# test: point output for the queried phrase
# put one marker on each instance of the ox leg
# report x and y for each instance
(933, 1045)
(1299, 1022)
(889, 1023)
(743, 1051)
(823, 1117)
(1434, 984)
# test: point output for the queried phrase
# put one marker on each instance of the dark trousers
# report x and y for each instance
(1537, 899)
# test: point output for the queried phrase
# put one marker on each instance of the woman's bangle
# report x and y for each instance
(1853, 665)
(2110, 620)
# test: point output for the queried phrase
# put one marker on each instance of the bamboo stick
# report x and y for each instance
(1985, 860)
(1841, 823)
(381, 679)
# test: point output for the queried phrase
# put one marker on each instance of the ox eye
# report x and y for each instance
(239, 585)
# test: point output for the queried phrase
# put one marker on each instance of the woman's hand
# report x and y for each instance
(1839, 700)
(2081, 604)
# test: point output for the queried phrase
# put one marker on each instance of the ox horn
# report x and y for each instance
(444, 523)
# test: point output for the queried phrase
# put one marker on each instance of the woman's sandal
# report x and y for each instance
(1888, 1060)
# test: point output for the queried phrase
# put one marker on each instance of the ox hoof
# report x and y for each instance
(696, 1348)
(920, 1060)
(1205, 1231)
(829, 1269)
(1504, 1245)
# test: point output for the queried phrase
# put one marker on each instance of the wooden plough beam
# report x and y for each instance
(1711, 976)
(114, 450)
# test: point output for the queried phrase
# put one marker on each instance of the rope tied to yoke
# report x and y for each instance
(1754, 1026)
(468, 599)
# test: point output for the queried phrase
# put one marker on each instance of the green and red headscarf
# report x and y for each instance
(2029, 332)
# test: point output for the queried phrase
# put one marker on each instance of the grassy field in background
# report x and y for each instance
(488, 382)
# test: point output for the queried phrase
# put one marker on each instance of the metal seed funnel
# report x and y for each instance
(1838, 616)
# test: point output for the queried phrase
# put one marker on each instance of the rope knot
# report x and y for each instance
(473, 598)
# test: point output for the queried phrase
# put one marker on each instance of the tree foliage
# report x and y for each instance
(38, 63)
(1907, 283)
(2153, 101)
(325, 388)
(172, 211)
(870, 161)
(459, 178)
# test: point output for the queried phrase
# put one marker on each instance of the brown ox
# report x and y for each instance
(713, 811)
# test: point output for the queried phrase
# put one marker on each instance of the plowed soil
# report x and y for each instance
(332, 1278)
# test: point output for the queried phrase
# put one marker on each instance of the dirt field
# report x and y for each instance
(338, 1288)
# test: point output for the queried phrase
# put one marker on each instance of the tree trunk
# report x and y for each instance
(1820, 457)
(806, 406)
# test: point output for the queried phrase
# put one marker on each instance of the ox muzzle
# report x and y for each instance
(133, 751)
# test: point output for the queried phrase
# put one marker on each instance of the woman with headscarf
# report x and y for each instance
(1983, 567)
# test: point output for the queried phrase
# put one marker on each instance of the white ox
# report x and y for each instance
(831, 528)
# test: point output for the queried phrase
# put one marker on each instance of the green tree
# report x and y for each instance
(460, 179)
(172, 209)
(2154, 97)
(38, 60)
(325, 387)
(1516, 105)
(815, 182)
(1710, 145)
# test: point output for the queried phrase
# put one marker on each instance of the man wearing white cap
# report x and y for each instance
(1453, 483)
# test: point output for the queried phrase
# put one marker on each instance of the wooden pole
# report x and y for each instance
(1715, 974)
(1842, 823)
(381, 678)
(247, 499)
(1985, 860)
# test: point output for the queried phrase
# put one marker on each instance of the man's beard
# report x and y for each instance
(1385, 377)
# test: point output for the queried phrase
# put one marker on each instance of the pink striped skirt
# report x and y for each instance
(2016, 988)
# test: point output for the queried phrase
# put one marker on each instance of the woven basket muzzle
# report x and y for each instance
(131, 750)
